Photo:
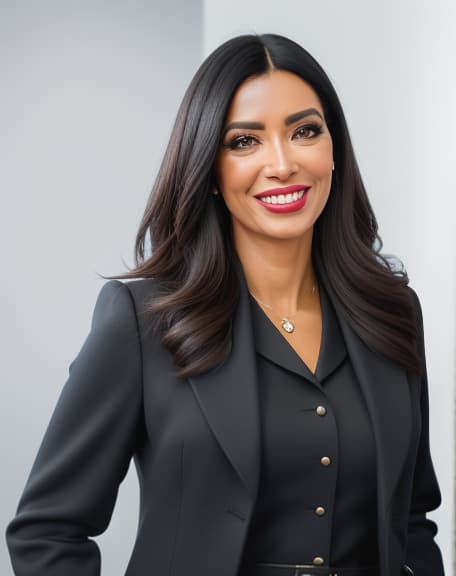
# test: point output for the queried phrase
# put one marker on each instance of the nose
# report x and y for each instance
(279, 162)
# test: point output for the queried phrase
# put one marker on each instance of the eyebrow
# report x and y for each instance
(291, 119)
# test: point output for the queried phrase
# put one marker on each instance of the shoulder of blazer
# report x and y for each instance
(142, 291)
(417, 305)
(419, 325)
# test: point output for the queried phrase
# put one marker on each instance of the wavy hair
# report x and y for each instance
(192, 254)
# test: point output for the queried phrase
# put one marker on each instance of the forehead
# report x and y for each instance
(277, 93)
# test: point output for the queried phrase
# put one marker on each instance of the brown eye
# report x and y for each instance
(308, 131)
(241, 142)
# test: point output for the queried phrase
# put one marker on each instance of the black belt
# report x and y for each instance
(270, 569)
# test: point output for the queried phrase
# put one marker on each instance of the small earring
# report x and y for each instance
(215, 192)
(333, 167)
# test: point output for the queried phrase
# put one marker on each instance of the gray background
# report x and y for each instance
(89, 92)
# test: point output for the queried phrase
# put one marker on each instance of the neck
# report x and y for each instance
(280, 273)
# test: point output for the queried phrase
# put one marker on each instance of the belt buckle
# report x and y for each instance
(299, 567)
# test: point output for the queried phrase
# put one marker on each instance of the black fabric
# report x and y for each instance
(293, 482)
(196, 446)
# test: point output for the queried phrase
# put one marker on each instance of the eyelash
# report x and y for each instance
(234, 143)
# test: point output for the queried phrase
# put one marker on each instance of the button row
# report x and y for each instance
(324, 461)
(320, 510)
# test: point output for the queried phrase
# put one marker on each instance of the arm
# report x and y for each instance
(86, 451)
(423, 554)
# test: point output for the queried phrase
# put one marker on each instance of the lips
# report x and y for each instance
(288, 198)
(284, 190)
(285, 199)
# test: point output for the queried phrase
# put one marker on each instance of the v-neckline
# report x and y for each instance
(273, 345)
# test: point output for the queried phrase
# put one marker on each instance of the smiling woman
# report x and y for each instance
(278, 163)
(266, 369)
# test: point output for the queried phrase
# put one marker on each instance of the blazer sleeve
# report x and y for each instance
(86, 450)
(423, 554)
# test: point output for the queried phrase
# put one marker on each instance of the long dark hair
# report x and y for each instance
(192, 253)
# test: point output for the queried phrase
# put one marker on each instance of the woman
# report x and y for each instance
(266, 373)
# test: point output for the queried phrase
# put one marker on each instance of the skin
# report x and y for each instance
(275, 249)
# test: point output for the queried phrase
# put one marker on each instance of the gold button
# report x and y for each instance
(321, 411)
(318, 561)
(320, 511)
(325, 461)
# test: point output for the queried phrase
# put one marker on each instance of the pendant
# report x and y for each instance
(288, 326)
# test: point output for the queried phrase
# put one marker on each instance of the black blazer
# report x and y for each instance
(196, 446)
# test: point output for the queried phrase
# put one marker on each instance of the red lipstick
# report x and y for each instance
(278, 202)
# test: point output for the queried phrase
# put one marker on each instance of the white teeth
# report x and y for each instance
(282, 198)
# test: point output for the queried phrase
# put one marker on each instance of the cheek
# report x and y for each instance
(319, 160)
(236, 174)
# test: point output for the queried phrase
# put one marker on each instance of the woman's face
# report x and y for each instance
(275, 144)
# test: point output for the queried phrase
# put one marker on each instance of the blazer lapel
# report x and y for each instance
(386, 392)
(385, 389)
(228, 397)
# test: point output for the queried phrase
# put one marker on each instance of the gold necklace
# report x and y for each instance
(287, 324)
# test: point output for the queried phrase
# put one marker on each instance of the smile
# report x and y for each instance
(282, 198)
(290, 199)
